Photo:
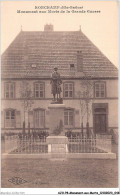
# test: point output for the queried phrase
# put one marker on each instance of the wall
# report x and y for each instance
(111, 99)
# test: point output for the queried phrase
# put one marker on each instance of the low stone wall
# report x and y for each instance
(62, 156)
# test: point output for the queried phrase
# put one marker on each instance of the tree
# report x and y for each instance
(86, 99)
(27, 100)
(82, 110)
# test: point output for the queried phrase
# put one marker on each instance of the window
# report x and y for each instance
(39, 118)
(100, 90)
(39, 90)
(68, 90)
(10, 119)
(69, 117)
(98, 110)
(9, 90)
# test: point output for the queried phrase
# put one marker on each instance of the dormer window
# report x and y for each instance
(72, 67)
(33, 65)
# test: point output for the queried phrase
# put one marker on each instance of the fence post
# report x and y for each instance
(82, 129)
(87, 129)
(23, 127)
(28, 128)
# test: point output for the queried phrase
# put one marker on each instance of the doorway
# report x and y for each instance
(100, 118)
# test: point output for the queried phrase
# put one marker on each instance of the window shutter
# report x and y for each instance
(18, 119)
(31, 119)
(2, 119)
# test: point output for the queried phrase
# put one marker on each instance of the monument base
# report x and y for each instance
(59, 101)
(56, 118)
(57, 144)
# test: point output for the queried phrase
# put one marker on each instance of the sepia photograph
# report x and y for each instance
(59, 95)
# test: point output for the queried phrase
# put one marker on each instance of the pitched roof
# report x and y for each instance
(35, 54)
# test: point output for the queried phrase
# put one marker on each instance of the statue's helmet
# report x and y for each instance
(55, 68)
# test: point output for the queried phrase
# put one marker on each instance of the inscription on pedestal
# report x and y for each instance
(56, 118)
(57, 144)
(58, 148)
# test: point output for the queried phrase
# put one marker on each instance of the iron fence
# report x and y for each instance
(82, 144)
(25, 144)
(29, 144)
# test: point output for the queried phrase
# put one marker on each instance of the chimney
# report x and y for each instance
(48, 27)
(79, 61)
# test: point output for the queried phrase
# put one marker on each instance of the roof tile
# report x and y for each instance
(49, 49)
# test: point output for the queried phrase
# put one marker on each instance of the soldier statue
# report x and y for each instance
(56, 86)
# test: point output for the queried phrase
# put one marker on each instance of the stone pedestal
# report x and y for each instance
(57, 144)
(56, 115)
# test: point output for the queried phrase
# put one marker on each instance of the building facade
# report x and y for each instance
(89, 82)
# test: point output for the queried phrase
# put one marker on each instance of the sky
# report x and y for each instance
(101, 28)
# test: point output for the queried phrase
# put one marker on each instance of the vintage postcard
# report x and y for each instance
(59, 97)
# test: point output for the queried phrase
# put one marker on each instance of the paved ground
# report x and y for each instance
(72, 173)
